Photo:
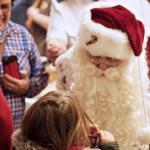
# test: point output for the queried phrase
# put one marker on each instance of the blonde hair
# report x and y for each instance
(57, 121)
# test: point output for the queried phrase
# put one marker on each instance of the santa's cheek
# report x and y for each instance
(94, 61)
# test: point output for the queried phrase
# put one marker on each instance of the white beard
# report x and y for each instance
(112, 100)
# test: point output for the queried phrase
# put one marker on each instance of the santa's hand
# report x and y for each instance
(105, 137)
(54, 49)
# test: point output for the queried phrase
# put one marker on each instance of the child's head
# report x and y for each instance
(56, 120)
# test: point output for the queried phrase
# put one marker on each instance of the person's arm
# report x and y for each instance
(38, 77)
(56, 27)
(38, 18)
(57, 39)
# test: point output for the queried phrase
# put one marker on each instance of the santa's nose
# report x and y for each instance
(103, 67)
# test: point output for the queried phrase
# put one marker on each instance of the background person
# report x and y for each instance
(63, 26)
(37, 22)
(15, 40)
(19, 11)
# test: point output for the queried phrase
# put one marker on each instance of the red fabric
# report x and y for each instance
(148, 55)
(6, 124)
(121, 18)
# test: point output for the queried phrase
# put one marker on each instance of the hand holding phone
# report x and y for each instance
(18, 86)
(10, 66)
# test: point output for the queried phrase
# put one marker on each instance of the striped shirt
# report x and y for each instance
(21, 44)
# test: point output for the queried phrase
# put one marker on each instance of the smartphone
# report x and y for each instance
(10, 66)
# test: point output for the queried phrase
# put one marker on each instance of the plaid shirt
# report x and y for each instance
(20, 43)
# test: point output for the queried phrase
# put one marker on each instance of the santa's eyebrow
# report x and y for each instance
(93, 39)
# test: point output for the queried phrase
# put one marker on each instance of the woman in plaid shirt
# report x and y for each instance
(16, 40)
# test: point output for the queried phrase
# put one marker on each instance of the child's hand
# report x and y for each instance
(105, 137)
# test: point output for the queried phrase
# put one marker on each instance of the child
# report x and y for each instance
(57, 122)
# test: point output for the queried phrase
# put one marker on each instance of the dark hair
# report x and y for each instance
(12, 2)
(57, 121)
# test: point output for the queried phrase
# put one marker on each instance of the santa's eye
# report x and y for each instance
(112, 59)
(94, 57)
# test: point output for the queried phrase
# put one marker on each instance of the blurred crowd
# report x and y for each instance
(35, 34)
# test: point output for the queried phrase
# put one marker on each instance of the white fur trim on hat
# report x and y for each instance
(106, 41)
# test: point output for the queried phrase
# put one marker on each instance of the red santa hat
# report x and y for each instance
(111, 30)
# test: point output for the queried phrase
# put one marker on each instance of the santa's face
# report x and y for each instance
(104, 63)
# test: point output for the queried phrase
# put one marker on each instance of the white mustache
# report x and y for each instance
(110, 73)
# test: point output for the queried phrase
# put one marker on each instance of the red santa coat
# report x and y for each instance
(6, 124)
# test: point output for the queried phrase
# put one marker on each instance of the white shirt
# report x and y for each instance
(65, 20)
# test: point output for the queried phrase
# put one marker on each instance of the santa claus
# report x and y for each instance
(104, 70)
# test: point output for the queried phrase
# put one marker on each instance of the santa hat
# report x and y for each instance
(111, 30)
(6, 124)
